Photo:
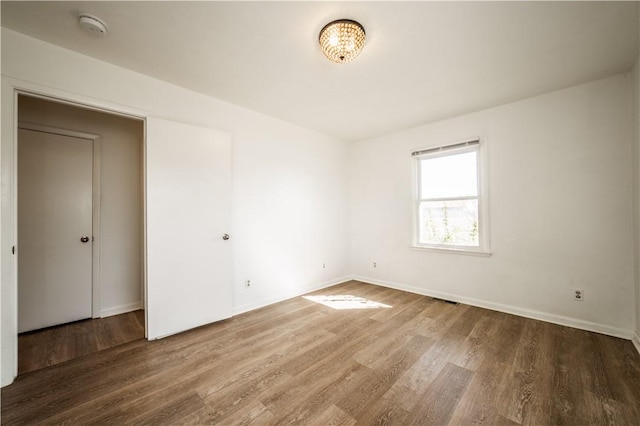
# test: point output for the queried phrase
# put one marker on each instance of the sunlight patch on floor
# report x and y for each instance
(346, 302)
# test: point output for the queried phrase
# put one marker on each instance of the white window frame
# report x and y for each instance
(468, 145)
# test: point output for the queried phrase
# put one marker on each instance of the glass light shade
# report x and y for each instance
(342, 40)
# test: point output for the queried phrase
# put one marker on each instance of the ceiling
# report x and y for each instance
(422, 61)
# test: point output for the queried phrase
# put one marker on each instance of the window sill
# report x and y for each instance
(452, 250)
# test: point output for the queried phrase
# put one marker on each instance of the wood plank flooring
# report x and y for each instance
(55, 345)
(421, 361)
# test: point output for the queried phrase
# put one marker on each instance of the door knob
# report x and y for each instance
(84, 239)
(225, 237)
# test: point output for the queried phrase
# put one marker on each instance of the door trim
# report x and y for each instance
(11, 87)
(95, 207)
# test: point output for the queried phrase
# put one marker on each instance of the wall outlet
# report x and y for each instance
(324, 266)
(578, 294)
(247, 283)
(375, 264)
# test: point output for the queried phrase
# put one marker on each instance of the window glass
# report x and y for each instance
(449, 176)
(449, 222)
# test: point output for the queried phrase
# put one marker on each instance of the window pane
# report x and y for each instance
(450, 176)
(449, 223)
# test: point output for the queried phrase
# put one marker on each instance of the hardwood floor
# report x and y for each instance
(421, 361)
(54, 345)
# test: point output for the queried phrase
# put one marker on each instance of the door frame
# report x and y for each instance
(95, 203)
(10, 89)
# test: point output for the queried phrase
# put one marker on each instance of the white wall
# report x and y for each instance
(560, 202)
(121, 216)
(291, 215)
(635, 96)
(290, 202)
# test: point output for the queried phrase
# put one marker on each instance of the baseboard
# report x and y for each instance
(527, 313)
(237, 310)
(636, 340)
(122, 309)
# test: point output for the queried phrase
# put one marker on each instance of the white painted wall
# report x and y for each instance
(290, 185)
(291, 215)
(560, 202)
(121, 217)
(635, 110)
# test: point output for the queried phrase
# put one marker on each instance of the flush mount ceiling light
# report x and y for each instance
(342, 40)
(92, 24)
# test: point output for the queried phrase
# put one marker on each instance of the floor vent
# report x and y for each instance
(445, 301)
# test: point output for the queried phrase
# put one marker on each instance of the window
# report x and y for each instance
(449, 206)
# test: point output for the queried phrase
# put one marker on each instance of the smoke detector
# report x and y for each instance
(92, 24)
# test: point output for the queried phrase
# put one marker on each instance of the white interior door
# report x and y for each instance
(188, 183)
(54, 214)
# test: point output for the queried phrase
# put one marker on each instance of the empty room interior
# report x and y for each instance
(320, 212)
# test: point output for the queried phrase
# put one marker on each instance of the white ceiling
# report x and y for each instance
(422, 61)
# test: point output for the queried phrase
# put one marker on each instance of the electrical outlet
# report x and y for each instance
(324, 266)
(578, 294)
(375, 264)
(247, 283)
